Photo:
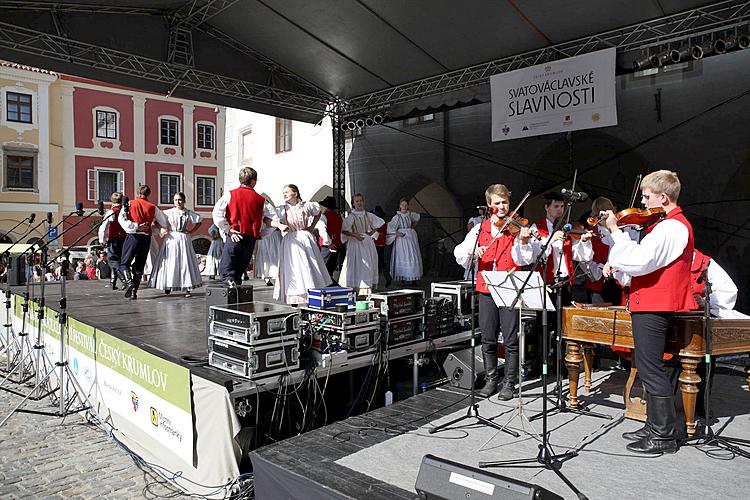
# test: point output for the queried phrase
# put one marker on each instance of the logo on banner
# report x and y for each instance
(134, 400)
(525, 128)
(595, 117)
(75, 366)
(154, 417)
(506, 129)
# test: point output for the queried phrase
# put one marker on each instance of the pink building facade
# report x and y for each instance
(122, 138)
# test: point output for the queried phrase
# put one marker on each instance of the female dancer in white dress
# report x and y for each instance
(300, 265)
(267, 254)
(214, 253)
(359, 229)
(406, 259)
(176, 267)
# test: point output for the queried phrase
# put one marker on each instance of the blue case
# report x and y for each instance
(330, 297)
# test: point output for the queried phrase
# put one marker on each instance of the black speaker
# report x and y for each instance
(458, 367)
(17, 272)
(441, 479)
(223, 295)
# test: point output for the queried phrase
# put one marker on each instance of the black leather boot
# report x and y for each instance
(491, 375)
(113, 281)
(662, 418)
(639, 434)
(136, 286)
(127, 280)
(511, 377)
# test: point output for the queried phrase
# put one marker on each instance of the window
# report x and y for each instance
(283, 135)
(205, 136)
(169, 130)
(169, 185)
(246, 145)
(18, 107)
(106, 125)
(102, 182)
(19, 172)
(205, 190)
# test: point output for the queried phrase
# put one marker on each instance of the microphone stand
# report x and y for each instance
(709, 438)
(546, 457)
(473, 410)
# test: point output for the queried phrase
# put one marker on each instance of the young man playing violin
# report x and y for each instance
(659, 270)
(496, 251)
(562, 250)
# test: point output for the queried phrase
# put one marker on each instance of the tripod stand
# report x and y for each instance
(709, 438)
(472, 412)
(21, 343)
(546, 457)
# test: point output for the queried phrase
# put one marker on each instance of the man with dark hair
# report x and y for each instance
(329, 229)
(136, 221)
(238, 215)
(113, 236)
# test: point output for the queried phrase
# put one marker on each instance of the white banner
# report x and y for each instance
(570, 94)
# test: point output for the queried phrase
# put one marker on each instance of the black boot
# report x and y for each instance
(113, 281)
(662, 422)
(389, 279)
(639, 434)
(511, 377)
(127, 280)
(491, 375)
(136, 286)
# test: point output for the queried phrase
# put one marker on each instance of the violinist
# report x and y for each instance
(659, 267)
(562, 251)
(496, 251)
(600, 288)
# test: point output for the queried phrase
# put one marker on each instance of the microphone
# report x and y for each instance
(32, 217)
(488, 208)
(568, 229)
(49, 217)
(574, 195)
(79, 208)
(101, 208)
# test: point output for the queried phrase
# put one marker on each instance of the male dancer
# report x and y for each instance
(659, 267)
(496, 252)
(113, 236)
(136, 220)
(238, 215)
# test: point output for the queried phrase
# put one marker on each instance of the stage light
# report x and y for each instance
(743, 41)
(351, 125)
(360, 123)
(721, 45)
(641, 64)
(658, 60)
(369, 121)
(677, 55)
(700, 50)
(378, 119)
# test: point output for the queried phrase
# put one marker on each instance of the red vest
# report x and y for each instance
(142, 211)
(541, 227)
(666, 289)
(382, 232)
(114, 229)
(333, 226)
(700, 263)
(601, 254)
(245, 211)
(497, 257)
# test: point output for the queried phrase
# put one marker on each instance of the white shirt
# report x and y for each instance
(131, 227)
(104, 226)
(723, 292)
(582, 250)
(219, 213)
(522, 254)
(321, 226)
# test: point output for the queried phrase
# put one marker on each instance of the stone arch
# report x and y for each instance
(201, 245)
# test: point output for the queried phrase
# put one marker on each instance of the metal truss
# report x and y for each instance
(339, 156)
(180, 46)
(196, 12)
(700, 21)
(104, 8)
(93, 56)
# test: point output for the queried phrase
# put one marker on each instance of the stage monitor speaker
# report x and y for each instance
(441, 479)
(17, 273)
(223, 295)
(458, 367)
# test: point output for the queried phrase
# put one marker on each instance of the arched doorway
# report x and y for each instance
(201, 245)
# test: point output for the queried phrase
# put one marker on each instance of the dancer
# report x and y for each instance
(359, 231)
(267, 255)
(301, 266)
(136, 220)
(176, 266)
(113, 236)
(214, 252)
(406, 259)
(331, 245)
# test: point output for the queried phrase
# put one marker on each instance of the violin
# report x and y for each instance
(575, 230)
(632, 217)
(513, 225)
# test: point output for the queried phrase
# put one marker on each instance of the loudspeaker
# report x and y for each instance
(441, 479)
(223, 295)
(458, 367)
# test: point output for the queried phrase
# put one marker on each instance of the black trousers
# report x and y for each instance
(649, 336)
(114, 252)
(235, 257)
(493, 319)
(331, 259)
(135, 252)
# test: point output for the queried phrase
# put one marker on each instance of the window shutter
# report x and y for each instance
(121, 182)
(91, 184)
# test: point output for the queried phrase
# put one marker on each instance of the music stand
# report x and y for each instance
(505, 289)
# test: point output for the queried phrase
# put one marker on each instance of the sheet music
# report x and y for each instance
(504, 286)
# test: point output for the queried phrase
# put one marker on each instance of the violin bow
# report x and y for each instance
(513, 212)
(635, 189)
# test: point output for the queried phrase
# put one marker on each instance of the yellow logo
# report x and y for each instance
(154, 417)
(595, 117)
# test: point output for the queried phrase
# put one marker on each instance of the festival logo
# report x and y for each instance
(525, 128)
(595, 117)
(154, 417)
(506, 129)
(75, 366)
(134, 400)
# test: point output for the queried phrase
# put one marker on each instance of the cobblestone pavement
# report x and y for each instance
(48, 457)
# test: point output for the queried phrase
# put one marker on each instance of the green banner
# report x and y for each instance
(82, 338)
(165, 379)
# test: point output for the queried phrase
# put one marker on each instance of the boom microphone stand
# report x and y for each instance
(709, 438)
(473, 410)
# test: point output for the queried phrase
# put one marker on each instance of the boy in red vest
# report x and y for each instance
(330, 234)
(495, 252)
(136, 220)
(238, 215)
(113, 235)
(659, 267)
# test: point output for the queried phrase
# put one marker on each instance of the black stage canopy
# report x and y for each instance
(294, 58)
